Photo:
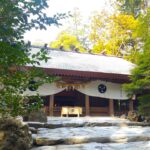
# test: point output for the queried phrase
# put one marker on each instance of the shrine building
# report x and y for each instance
(88, 85)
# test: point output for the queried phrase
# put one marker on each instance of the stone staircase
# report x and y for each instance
(90, 134)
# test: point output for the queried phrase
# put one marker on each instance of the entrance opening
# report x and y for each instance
(96, 107)
(121, 107)
(99, 106)
(68, 98)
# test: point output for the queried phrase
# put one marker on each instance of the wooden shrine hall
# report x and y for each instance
(88, 85)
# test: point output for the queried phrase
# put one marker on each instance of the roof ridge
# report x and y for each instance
(69, 51)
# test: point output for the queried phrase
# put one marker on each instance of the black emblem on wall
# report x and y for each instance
(32, 86)
(102, 88)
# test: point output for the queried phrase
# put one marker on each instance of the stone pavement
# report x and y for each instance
(99, 146)
(91, 133)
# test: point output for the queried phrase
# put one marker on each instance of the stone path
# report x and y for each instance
(91, 133)
(55, 122)
(99, 146)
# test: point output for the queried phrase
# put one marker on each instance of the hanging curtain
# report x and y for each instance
(45, 90)
(113, 90)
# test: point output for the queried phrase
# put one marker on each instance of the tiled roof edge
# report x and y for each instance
(69, 51)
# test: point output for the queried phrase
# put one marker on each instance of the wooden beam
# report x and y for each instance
(51, 105)
(111, 107)
(87, 105)
(131, 105)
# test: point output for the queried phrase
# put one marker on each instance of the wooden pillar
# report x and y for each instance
(131, 105)
(87, 105)
(51, 105)
(111, 107)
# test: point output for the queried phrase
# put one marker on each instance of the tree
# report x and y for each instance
(76, 31)
(98, 31)
(77, 27)
(114, 34)
(132, 7)
(67, 42)
(140, 78)
(16, 17)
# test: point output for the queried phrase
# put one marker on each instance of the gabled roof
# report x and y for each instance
(64, 61)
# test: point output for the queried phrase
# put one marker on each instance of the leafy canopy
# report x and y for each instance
(132, 7)
(111, 34)
(114, 34)
(17, 17)
(141, 74)
(67, 42)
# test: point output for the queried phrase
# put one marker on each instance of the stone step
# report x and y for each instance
(99, 146)
(85, 124)
(80, 140)
(111, 134)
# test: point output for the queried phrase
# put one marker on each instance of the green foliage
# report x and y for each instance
(75, 34)
(144, 107)
(77, 27)
(131, 7)
(115, 35)
(141, 74)
(16, 17)
(68, 42)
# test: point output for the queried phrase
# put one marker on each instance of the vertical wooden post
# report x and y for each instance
(111, 107)
(51, 105)
(131, 105)
(87, 105)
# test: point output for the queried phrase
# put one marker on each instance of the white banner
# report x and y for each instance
(45, 90)
(113, 90)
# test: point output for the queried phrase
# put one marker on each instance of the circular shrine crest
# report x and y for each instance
(102, 88)
(32, 85)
